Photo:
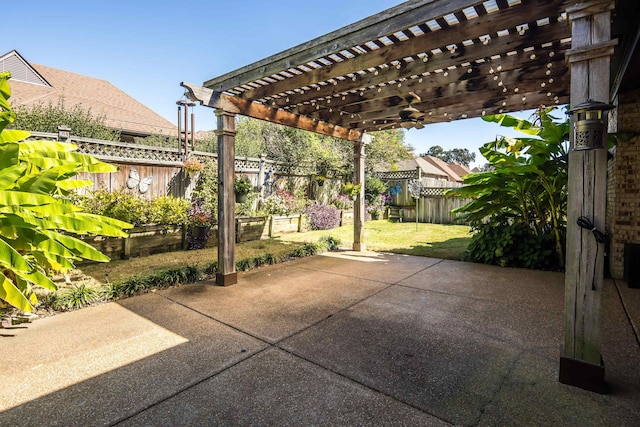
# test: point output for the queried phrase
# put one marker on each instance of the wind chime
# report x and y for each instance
(184, 135)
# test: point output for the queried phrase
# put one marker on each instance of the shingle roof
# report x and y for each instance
(442, 165)
(121, 110)
(427, 168)
(459, 169)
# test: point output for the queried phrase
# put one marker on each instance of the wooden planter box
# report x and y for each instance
(142, 241)
(346, 218)
(284, 224)
(251, 228)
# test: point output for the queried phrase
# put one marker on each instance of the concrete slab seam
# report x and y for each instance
(277, 346)
(498, 389)
(366, 386)
(188, 387)
(626, 312)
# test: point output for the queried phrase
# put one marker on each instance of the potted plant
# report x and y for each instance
(377, 206)
(351, 190)
(200, 222)
(320, 180)
(242, 187)
(192, 167)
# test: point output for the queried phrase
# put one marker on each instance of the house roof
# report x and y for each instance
(33, 84)
(426, 167)
(460, 170)
(444, 167)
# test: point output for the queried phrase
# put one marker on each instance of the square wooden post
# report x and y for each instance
(581, 362)
(358, 208)
(226, 274)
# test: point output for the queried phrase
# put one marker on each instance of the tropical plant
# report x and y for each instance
(527, 187)
(37, 220)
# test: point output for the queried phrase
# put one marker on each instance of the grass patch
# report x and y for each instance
(429, 240)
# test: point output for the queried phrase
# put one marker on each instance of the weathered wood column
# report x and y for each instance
(358, 207)
(580, 361)
(226, 274)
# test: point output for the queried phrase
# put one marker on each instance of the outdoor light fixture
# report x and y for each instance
(590, 125)
(64, 132)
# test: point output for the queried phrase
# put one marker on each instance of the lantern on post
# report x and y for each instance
(590, 125)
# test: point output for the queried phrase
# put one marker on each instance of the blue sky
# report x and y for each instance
(146, 48)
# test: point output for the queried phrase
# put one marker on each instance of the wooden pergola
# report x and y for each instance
(463, 59)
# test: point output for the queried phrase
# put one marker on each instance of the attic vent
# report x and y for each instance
(20, 71)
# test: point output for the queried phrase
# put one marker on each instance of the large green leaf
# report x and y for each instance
(11, 135)
(23, 198)
(8, 154)
(10, 174)
(513, 122)
(77, 246)
(11, 294)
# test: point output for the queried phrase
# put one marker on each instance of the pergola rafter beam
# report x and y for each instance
(235, 105)
(533, 38)
(403, 16)
(524, 13)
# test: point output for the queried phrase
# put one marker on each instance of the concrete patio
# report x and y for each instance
(337, 339)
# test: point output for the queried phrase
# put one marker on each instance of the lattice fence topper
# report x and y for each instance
(122, 151)
(410, 174)
(432, 192)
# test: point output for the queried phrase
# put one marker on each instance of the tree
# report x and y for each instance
(37, 219)
(47, 118)
(322, 153)
(458, 155)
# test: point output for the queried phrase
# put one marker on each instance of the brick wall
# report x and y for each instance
(624, 183)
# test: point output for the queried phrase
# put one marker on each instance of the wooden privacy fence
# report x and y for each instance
(157, 171)
(432, 205)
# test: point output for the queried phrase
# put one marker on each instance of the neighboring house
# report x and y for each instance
(460, 170)
(33, 84)
(444, 167)
(428, 170)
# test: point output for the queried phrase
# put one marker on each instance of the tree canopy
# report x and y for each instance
(458, 155)
(324, 154)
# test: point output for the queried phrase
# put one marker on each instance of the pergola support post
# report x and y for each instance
(581, 361)
(226, 274)
(359, 243)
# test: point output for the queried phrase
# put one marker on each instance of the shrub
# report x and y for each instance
(47, 118)
(342, 202)
(330, 243)
(307, 249)
(77, 296)
(280, 203)
(206, 191)
(120, 204)
(512, 246)
(373, 187)
(168, 211)
(322, 217)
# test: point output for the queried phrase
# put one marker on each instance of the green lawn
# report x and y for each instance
(430, 240)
